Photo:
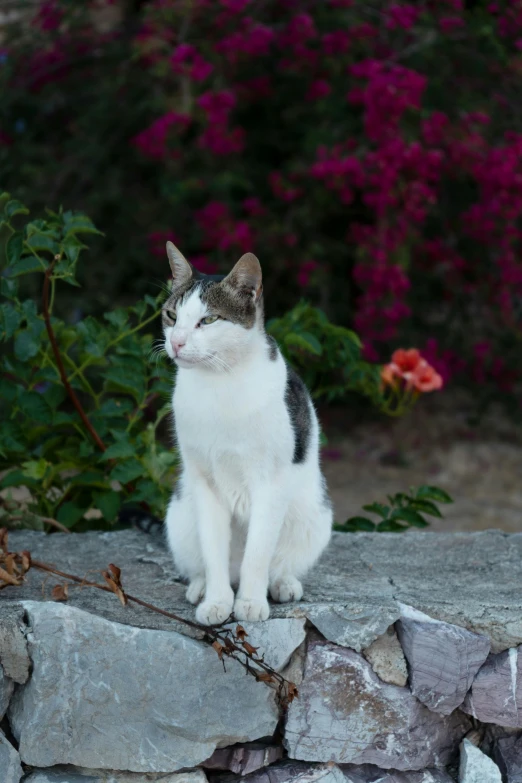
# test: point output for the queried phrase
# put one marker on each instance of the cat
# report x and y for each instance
(251, 507)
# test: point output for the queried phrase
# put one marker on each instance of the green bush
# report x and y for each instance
(84, 404)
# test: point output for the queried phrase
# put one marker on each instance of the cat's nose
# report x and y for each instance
(177, 345)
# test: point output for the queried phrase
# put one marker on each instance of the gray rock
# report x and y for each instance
(6, 690)
(346, 714)
(13, 645)
(496, 694)
(244, 759)
(429, 776)
(10, 767)
(289, 771)
(113, 696)
(508, 756)
(468, 579)
(443, 659)
(476, 767)
(75, 775)
(276, 639)
(387, 660)
(356, 625)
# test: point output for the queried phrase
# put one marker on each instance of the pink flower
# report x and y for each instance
(49, 16)
(152, 142)
(217, 105)
(187, 60)
(403, 16)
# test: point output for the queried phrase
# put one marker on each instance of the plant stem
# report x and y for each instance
(58, 358)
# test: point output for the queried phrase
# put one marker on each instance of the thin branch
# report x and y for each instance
(58, 358)
(222, 640)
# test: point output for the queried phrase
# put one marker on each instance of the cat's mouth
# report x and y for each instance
(186, 361)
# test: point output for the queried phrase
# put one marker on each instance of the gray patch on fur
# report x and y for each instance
(273, 348)
(232, 303)
(298, 405)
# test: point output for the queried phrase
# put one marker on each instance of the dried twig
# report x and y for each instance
(225, 641)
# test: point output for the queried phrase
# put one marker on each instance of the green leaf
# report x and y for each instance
(302, 342)
(26, 345)
(378, 508)
(34, 406)
(69, 514)
(26, 266)
(127, 471)
(108, 503)
(146, 490)
(433, 493)
(8, 287)
(117, 317)
(15, 207)
(90, 478)
(390, 526)
(360, 523)
(79, 224)
(35, 469)
(410, 516)
(10, 318)
(124, 378)
(13, 248)
(41, 241)
(426, 506)
(122, 448)
(72, 246)
(16, 478)
(54, 395)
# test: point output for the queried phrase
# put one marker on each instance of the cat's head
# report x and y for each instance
(210, 320)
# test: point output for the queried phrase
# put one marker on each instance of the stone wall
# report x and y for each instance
(405, 651)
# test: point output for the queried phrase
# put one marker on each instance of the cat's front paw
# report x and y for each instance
(252, 610)
(213, 612)
(288, 588)
(196, 590)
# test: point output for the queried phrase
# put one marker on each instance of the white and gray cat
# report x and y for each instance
(251, 507)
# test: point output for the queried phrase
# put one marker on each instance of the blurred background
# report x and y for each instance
(370, 154)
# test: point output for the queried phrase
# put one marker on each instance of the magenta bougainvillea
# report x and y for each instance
(371, 154)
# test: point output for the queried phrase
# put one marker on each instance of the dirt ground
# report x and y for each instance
(479, 466)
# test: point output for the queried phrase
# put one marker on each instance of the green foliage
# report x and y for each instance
(45, 446)
(328, 358)
(404, 511)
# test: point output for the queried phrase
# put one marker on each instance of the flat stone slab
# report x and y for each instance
(74, 775)
(112, 696)
(469, 579)
(347, 715)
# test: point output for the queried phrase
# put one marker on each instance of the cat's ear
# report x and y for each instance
(181, 269)
(246, 276)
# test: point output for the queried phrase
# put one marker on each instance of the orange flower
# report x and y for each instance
(406, 361)
(425, 378)
(410, 367)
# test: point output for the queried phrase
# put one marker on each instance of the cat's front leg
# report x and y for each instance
(266, 519)
(213, 521)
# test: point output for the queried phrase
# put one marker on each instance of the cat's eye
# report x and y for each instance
(210, 319)
(171, 315)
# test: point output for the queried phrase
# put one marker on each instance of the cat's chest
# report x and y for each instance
(229, 422)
